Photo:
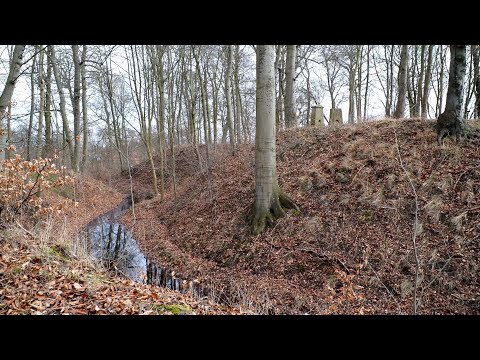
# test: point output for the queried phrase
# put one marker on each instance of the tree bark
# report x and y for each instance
(476, 76)
(450, 122)
(228, 94)
(7, 93)
(440, 82)
(367, 82)
(426, 87)
(290, 108)
(270, 200)
(280, 67)
(47, 150)
(235, 97)
(76, 109)
(161, 114)
(83, 71)
(41, 110)
(32, 107)
(402, 83)
(420, 82)
(359, 63)
(351, 95)
(411, 90)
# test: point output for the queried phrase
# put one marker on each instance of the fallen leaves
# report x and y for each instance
(25, 291)
(363, 225)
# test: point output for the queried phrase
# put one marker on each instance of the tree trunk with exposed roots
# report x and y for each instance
(450, 122)
(271, 201)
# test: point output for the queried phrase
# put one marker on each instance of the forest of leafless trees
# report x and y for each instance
(92, 104)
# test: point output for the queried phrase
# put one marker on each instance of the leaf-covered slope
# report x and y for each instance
(350, 249)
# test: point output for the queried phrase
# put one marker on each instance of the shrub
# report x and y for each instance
(21, 184)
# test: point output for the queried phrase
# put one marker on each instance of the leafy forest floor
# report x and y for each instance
(42, 273)
(350, 249)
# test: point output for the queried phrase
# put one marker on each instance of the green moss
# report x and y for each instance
(367, 214)
(65, 191)
(17, 270)
(57, 251)
(174, 309)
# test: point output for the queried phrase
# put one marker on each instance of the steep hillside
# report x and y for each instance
(350, 249)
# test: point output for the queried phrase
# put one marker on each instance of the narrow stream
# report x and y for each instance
(108, 241)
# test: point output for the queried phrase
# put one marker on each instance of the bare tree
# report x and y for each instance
(32, 107)
(7, 93)
(290, 108)
(47, 149)
(228, 95)
(83, 72)
(450, 122)
(476, 76)
(426, 87)
(402, 83)
(141, 85)
(270, 200)
(418, 101)
(76, 108)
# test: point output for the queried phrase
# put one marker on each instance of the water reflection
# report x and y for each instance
(111, 243)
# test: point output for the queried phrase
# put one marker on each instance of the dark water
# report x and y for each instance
(108, 241)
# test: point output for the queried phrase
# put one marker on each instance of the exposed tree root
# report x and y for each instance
(260, 217)
(448, 124)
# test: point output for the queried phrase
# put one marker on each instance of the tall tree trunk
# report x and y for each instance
(115, 121)
(392, 53)
(280, 67)
(420, 82)
(470, 85)
(76, 108)
(426, 88)
(309, 101)
(66, 128)
(476, 77)
(171, 124)
(411, 90)
(450, 122)
(228, 94)
(215, 115)
(204, 101)
(235, 98)
(290, 108)
(47, 150)
(7, 93)
(367, 81)
(41, 110)
(83, 70)
(208, 134)
(160, 51)
(351, 95)
(32, 107)
(440, 82)
(270, 200)
(359, 61)
(402, 83)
